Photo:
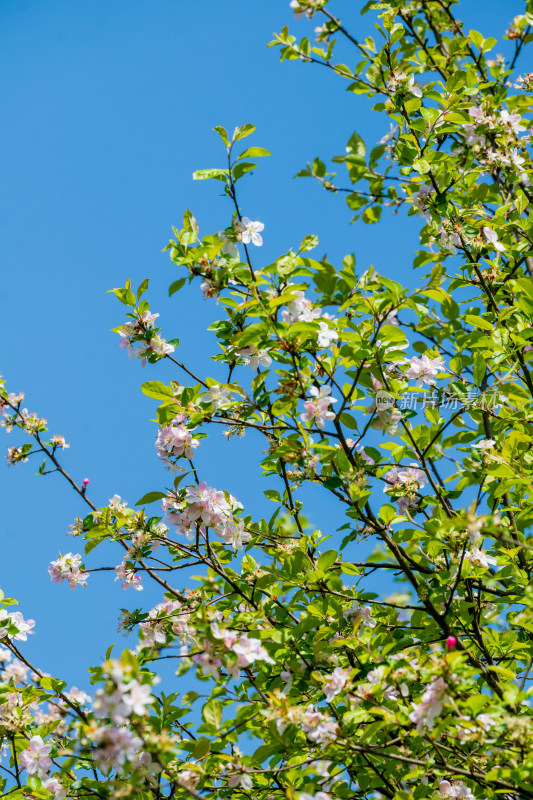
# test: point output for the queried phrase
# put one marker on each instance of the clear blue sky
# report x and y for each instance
(107, 109)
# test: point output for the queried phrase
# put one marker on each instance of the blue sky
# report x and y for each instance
(108, 108)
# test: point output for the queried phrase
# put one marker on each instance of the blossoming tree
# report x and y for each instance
(413, 409)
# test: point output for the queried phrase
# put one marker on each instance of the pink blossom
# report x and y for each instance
(228, 637)
(480, 117)
(116, 746)
(208, 662)
(249, 231)
(206, 504)
(335, 683)
(386, 420)
(326, 335)
(492, 238)
(450, 241)
(15, 618)
(234, 534)
(175, 440)
(317, 726)
(36, 759)
(450, 643)
(479, 558)
(56, 788)
(257, 357)
(485, 444)
(153, 628)
(136, 696)
(300, 10)
(241, 779)
(16, 670)
(188, 778)
(512, 121)
(218, 396)
(128, 577)
(364, 455)
(363, 613)
(411, 478)
(68, 567)
(430, 706)
(250, 650)
(318, 410)
(424, 370)
(457, 789)
(76, 695)
(117, 504)
(300, 309)
(421, 201)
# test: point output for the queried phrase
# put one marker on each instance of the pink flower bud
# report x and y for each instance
(451, 641)
(85, 481)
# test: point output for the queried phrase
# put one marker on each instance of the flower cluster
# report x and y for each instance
(430, 706)
(127, 575)
(301, 309)
(142, 340)
(69, 568)
(200, 507)
(249, 232)
(36, 758)
(175, 440)
(424, 370)
(122, 696)
(317, 410)
(318, 726)
(168, 618)
(407, 482)
(14, 626)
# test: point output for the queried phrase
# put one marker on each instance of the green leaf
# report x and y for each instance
(212, 712)
(421, 165)
(356, 145)
(308, 243)
(52, 684)
(478, 322)
(255, 152)
(142, 288)
(207, 174)
(125, 296)
(477, 38)
(349, 421)
(222, 133)
(151, 497)
(201, 747)
(176, 286)
(157, 390)
(479, 368)
(190, 224)
(242, 168)
(242, 131)
(273, 495)
(372, 214)
(327, 559)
